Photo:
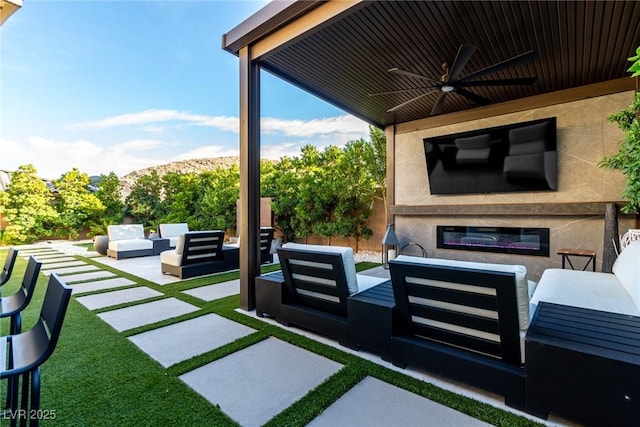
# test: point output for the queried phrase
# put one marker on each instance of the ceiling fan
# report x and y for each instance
(449, 81)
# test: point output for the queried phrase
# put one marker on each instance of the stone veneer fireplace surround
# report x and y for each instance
(509, 240)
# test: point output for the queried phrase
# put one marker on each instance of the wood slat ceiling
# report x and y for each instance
(578, 43)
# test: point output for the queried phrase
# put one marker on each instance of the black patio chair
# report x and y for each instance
(13, 305)
(26, 352)
(9, 262)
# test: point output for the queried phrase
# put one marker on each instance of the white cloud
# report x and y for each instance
(275, 152)
(340, 125)
(139, 118)
(343, 127)
(53, 158)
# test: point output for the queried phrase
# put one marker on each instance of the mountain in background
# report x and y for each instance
(184, 166)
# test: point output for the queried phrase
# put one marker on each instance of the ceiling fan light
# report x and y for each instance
(447, 88)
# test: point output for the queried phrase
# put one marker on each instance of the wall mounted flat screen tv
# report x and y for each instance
(511, 158)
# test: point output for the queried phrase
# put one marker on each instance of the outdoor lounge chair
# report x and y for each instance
(9, 262)
(318, 280)
(127, 241)
(172, 232)
(198, 253)
(13, 305)
(462, 320)
(25, 352)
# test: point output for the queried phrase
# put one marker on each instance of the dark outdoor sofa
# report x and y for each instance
(199, 253)
(313, 289)
(462, 320)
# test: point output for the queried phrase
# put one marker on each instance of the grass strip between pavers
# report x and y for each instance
(98, 377)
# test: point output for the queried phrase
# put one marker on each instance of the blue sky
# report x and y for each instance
(122, 85)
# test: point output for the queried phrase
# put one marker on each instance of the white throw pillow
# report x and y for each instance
(180, 244)
(347, 260)
(627, 270)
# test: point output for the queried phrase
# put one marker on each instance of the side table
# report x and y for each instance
(584, 365)
(269, 294)
(371, 319)
(159, 245)
(585, 253)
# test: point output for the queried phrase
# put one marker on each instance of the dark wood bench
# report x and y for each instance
(461, 323)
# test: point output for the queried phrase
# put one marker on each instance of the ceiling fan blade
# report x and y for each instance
(400, 91)
(516, 60)
(481, 100)
(437, 107)
(414, 75)
(499, 82)
(397, 107)
(465, 52)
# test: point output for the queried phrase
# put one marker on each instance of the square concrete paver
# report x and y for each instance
(373, 402)
(100, 285)
(217, 291)
(126, 318)
(255, 384)
(106, 299)
(52, 259)
(83, 268)
(74, 263)
(81, 277)
(181, 341)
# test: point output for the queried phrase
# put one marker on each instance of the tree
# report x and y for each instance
(376, 159)
(357, 191)
(26, 207)
(109, 193)
(182, 193)
(627, 159)
(77, 208)
(144, 201)
(280, 182)
(220, 189)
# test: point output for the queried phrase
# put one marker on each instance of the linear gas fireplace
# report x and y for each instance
(510, 240)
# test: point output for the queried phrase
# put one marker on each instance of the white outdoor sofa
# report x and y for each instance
(617, 292)
(127, 241)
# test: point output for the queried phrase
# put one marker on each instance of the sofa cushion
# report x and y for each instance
(627, 270)
(524, 287)
(125, 232)
(586, 289)
(130, 245)
(180, 245)
(168, 231)
(347, 260)
(171, 258)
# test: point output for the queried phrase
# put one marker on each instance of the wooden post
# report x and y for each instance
(610, 237)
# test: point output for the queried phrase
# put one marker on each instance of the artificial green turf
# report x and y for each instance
(98, 377)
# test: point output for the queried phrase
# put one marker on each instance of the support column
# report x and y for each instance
(611, 237)
(249, 206)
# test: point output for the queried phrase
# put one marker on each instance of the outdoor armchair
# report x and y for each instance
(172, 232)
(9, 262)
(198, 253)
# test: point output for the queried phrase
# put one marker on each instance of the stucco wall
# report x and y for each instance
(584, 136)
